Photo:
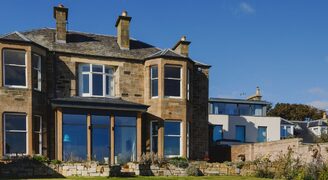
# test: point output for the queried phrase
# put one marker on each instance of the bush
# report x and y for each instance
(41, 159)
(263, 168)
(193, 171)
(179, 162)
(55, 161)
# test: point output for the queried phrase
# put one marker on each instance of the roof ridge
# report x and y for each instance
(22, 36)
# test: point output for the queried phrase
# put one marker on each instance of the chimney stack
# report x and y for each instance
(257, 96)
(60, 14)
(182, 46)
(123, 30)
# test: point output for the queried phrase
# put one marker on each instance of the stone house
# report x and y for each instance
(76, 96)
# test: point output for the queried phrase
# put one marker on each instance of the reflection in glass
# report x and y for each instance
(262, 134)
(74, 137)
(172, 138)
(100, 137)
(240, 133)
(15, 136)
(125, 139)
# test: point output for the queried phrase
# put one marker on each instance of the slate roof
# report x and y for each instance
(92, 44)
(286, 122)
(98, 103)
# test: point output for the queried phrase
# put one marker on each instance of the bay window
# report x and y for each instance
(36, 72)
(172, 138)
(154, 81)
(96, 80)
(14, 68)
(37, 134)
(15, 136)
(172, 81)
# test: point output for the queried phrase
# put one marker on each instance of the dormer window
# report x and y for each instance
(96, 80)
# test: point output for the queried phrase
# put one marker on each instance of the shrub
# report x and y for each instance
(179, 162)
(263, 168)
(193, 171)
(41, 159)
(323, 174)
(55, 161)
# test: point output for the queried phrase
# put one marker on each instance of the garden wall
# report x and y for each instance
(274, 149)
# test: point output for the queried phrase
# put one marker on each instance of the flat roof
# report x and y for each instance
(239, 101)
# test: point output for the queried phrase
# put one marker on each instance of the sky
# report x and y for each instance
(280, 46)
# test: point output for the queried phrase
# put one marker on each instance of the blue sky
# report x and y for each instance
(280, 46)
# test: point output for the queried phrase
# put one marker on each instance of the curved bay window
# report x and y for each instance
(96, 80)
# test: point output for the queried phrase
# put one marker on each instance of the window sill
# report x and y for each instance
(173, 97)
(15, 87)
(172, 156)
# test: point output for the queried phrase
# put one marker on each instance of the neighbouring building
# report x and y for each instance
(76, 96)
(311, 130)
(236, 121)
(286, 129)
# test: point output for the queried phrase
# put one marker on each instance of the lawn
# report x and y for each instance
(164, 178)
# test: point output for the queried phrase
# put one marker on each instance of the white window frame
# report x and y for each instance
(40, 134)
(180, 136)
(90, 74)
(15, 131)
(15, 65)
(180, 79)
(151, 135)
(39, 72)
(151, 81)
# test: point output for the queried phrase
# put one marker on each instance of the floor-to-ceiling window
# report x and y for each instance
(74, 137)
(241, 133)
(125, 139)
(100, 138)
(154, 136)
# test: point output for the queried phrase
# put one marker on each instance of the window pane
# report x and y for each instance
(100, 137)
(109, 70)
(154, 87)
(35, 78)
(231, 109)
(35, 61)
(85, 83)
(172, 87)
(109, 88)
(97, 80)
(171, 128)
(125, 140)
(172, 72)
(262, 134)
(258, 110)
(244, 109)
(74, 137)
(36, 123)
(154, 146)
(14, 57)
(15, 75)
(154, 128)
(86, 68)
(15, 142)
(217, 133)
(97, 68)
(172, 145)
(240, 133)
(15, 122)
(154, 72)
(125, 121)
(36, 143)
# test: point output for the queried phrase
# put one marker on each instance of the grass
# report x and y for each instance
(164, 178)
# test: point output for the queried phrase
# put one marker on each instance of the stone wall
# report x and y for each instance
(275, 148)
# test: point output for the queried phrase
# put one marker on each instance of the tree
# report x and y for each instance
(295, 111)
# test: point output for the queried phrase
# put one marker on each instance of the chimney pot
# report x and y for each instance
(124, 13)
